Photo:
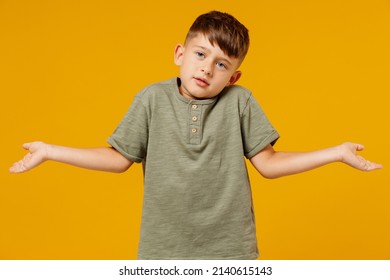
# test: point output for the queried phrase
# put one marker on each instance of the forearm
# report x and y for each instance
(273, 164)
(103, 158)
(277, 164)
(288, 163)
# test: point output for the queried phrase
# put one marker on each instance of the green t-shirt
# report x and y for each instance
(197, 197)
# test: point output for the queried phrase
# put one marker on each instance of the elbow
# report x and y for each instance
(121, 168)
(270, 174)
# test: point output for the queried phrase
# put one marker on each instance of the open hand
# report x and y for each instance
(348, 156)
(37, 154)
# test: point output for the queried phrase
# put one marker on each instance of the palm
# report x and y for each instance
(36, 155)
(351, 158)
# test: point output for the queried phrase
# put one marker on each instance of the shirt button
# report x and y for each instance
(194, 118)
(194, 130)
(194, 106)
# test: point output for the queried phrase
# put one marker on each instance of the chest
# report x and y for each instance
(194, 123)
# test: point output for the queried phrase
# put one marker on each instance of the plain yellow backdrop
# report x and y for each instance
(70, 69)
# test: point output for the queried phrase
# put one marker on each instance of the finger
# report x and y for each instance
(359, 147)
(367, 165)
(26, 146)
(17, 167)
(13, 168)
(374, 166)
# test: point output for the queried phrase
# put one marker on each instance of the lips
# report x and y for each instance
(201, 82)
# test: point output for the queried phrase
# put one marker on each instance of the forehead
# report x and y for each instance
(202, 41)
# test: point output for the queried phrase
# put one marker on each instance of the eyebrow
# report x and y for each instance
(220, 58)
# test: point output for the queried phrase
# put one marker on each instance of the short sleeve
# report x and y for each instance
(130, 138)
(257, 131)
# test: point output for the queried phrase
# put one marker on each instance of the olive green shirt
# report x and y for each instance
(197, 197)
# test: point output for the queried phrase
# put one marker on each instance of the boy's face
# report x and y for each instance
(205, 70)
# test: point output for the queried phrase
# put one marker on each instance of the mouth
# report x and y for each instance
(201, 82)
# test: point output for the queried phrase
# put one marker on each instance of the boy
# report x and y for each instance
(191, 134)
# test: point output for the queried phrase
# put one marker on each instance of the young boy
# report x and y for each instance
(191, 135)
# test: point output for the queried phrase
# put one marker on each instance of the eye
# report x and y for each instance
(200, 54)
(221, 65)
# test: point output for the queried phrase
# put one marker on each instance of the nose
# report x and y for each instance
(207, 68)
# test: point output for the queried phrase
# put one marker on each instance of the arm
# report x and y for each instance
(272, 164)
(103, 159)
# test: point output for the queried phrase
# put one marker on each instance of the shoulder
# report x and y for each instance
(158, 88)
(236, 95)
(236, 92)
(156, 95)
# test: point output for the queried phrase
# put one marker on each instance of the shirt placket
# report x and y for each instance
(195, 126)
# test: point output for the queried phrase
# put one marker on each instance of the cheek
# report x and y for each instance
(224, 80)
(186, 68)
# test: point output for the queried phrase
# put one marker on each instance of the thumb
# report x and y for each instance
(359, 147)
(26, 146)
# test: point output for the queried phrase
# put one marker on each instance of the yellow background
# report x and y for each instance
(68, 73)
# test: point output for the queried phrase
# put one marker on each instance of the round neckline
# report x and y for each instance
(176, 84)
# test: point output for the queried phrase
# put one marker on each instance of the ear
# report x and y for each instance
(234, 78)
(178, 56)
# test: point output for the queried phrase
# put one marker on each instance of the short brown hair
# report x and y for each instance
(225, 30)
